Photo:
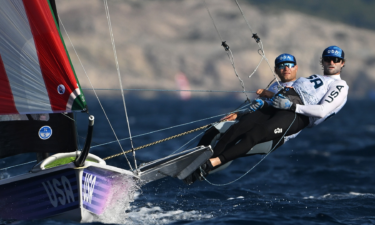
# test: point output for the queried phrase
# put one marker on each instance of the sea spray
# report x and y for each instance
(122, 194)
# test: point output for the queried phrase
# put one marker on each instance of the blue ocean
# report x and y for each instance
(324, 176)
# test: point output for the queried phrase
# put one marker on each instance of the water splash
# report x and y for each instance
(121, 196)
(156, 215)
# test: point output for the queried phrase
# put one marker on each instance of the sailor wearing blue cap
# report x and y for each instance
(333, 60)
(336, 93)
(314, 99)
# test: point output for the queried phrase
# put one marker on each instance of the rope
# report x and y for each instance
(164, 90)
(18, 165)
(119, 76)
(295, 116)
(231, 59)
(92, 87)
(188, 142)
(213, 22)
(158, 142)
(75, 125)
(228, 51)
(168, 128)
(261, 51)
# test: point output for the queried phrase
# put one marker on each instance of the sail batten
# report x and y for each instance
(35, 68)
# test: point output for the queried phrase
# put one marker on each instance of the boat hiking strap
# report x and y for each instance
(160, 141)
(295, 116)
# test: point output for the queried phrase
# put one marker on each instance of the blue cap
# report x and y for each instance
(333, 51)
(285, 57)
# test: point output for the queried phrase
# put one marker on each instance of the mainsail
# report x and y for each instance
(37, 81)
(36, 74)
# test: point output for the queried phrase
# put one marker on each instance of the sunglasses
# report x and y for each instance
(329, 59)
(283, 65)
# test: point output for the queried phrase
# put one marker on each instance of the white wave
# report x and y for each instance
(156, 215)
(239, 197)
(341, 196)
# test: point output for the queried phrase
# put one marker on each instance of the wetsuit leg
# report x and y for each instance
(208, 136)
(245, 123)
(274, 128)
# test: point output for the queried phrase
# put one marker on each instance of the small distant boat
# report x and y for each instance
(183, 85)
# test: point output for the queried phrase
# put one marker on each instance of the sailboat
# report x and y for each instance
(39, 91)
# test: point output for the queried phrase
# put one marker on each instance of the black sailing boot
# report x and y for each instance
(204, 169)
(199, 173)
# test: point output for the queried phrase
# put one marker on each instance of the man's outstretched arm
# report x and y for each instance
(335, 97)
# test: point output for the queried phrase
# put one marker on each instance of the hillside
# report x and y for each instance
(357, 13)
(155, 40)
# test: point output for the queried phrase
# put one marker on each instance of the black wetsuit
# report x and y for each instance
(260, 126)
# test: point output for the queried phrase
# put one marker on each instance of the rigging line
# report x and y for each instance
(158, 142)
(213, 124)
(168, 128)
(295, 116)
(231, 58)
(18, 165)
(119, 76)
(269, 65)
(260, 44)
(96, 95)
(75, 125)
(189, 141)
(164, 90)
(228, 51)
(239, 7)
(209, 13)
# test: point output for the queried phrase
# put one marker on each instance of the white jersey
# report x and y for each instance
(275, 87)
(331, 103)
(312, 89)
(316, 91)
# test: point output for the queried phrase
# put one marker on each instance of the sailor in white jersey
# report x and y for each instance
(257, 124)
(323, 96)
(287, 78)
(319, 97)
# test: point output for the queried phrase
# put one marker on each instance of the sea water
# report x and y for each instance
(324, 176)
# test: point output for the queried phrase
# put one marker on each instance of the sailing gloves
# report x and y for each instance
(280, 101)
(256, 104)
